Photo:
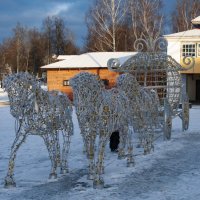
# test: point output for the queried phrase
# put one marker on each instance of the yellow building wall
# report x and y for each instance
(195, 70)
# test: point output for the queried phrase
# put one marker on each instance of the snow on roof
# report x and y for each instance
(196, 20)
(89, 60)
(189, 33)
(65, 57)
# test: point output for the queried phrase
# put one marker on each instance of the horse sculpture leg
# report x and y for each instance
(130, 159)
(20, 138)
(148, 144)
(89, 137)
(65, 151)
(57, 146)
(122, 144)
(101, 139)
(90, 155)
(52, 150)
(82, 128)
(98, 182)
(84, 146)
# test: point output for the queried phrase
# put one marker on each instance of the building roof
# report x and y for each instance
(65, 57)
(195, 33)
(89, 60)
(185, 34)
(196, 20)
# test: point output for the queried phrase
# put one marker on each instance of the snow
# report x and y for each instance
(171, 172)
(196, 20)
(65, 57)
(89, 60)
(184, 34)
(3, 96)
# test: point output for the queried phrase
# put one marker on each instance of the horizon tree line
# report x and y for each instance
(113, 25)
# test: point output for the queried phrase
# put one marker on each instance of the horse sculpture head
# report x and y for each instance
(86, 88)
(20, 88)
(87, 97)
(128, 84)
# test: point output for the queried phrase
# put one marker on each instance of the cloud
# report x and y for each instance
(58, 8)
(32, 13)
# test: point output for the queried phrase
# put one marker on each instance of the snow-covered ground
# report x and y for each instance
(3, 96)
(171, 172)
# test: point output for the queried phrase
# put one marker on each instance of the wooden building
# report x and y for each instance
(59, 73)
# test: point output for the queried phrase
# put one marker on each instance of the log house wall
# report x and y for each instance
(55, 78)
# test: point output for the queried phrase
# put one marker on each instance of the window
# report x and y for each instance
(198, 52)
(65, 82)
(189, 50)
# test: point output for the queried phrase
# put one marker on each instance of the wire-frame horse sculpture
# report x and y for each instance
(100, 112)
(144, 105)
(42, 113)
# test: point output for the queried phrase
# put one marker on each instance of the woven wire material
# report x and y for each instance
(38, 112)
(156, 71)
(100, 112)
(144, 106)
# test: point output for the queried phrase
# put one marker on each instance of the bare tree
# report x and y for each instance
(27, 48)
(70, 46)
(63, 38)
(48, 36)
(19, 35)
(184, 12)
(7, 54)
(38, 53)
(104, 21)
(57, 38)
(16, 50)
(146, 19)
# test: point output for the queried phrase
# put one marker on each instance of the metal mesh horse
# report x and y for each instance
(144, 106)
(100, 112)
(38, 112)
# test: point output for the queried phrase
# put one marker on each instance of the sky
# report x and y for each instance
(31, 13)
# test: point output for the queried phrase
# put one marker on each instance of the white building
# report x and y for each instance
(187, 43)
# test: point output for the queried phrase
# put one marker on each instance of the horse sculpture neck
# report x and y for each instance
(20, 88)
(87, 90)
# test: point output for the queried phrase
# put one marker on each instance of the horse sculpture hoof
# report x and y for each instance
(53, 176)
(90, 177)
(9, 183)
(64, 171)
(130, 164)
(98, 184)
(121, 156)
